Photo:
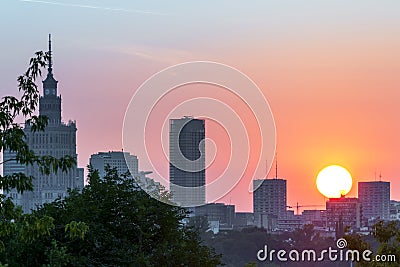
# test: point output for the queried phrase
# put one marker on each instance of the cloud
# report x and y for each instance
(157, 54)
(95, 7)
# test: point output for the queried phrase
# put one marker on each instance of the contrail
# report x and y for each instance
(94, 7)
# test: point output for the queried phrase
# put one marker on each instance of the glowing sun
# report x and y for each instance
(334, 181)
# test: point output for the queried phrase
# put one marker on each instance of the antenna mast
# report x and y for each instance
(50, 55)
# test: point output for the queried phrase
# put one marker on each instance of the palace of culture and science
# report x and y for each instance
(58, 140)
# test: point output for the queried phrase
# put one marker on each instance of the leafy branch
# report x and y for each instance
(12, 135)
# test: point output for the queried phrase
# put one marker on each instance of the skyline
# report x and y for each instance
(290, 55)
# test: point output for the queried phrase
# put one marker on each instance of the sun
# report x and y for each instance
(334, 181)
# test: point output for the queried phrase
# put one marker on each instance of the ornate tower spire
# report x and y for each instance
(50, 103)
(50, 56)
(50, 84)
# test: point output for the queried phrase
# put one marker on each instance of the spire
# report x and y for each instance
(50, 103)
(50, 84)
(50, 56)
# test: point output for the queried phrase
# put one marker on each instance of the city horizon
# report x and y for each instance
(333, 96)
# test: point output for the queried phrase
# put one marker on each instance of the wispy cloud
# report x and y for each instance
(157, 54)
(95, 7)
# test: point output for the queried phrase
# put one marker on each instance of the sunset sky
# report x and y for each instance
(330, 71)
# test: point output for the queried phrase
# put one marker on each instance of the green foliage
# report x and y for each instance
(111, 223)
(18, 229)
(33, 227)
(359, 243)
(200, 225)
(387, 234)
(12, 135)
(119, 226)
(76, 230)
(239, 248)
(57, 256)
(384, 232)
(304, 236)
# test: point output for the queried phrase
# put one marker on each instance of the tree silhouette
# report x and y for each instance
(14, 225)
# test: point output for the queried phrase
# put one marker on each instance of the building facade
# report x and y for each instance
(375, 200)
(224, 214)
(57, 140)
(269, 200)
(243, 220)
(394, 210)
(124, 162)
(343, 212)
(187, 161)
(315, 217)
(290, 222)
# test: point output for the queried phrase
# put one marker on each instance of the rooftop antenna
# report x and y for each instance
(50, 55)
(375, 175)
(380, 177)
(276, 165)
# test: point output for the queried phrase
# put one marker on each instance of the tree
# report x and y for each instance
(111, 223)
(12, 135)
(359, 243)
(125, 227)
(387, 234)
(13, 224)
(200, 224)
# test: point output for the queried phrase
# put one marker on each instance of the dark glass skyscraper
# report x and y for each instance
(58, 140)
(187, 161)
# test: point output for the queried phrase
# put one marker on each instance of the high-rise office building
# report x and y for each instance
(343, 212)
(124, 162)
(375, 199)
(57, 140)
(187, 161)
(269, 201)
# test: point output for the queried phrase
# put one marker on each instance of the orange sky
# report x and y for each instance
(329, 69)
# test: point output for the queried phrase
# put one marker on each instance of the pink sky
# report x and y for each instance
(329, 71)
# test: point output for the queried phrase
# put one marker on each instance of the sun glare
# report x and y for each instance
(334, 181)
